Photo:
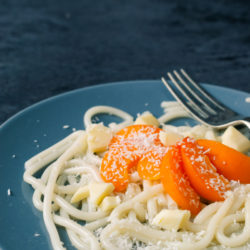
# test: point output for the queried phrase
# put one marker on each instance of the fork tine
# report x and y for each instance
(185, 94)
(203, 92)
(191, 107)
(193, 93)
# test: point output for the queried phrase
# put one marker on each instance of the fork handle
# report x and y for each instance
(246, 121)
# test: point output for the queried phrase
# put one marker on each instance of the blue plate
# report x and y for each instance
(41, 125)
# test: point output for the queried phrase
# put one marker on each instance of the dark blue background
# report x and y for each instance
(48, 47)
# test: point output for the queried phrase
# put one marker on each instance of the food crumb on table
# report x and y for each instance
(66, 126)
(247, 99)
(9, 192)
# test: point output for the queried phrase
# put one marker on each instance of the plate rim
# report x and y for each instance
(101, 85)
(13, 120)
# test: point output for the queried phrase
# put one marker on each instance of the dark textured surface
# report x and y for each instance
(48, 47)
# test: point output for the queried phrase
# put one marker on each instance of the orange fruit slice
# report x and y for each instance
(126, 148)
(202, 174)
(233, 164)
(176, 182)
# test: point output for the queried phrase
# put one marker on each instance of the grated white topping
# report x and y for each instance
(247, 99)
(9, 192)
(66, 126)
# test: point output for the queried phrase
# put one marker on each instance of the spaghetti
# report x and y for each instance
(129, 223)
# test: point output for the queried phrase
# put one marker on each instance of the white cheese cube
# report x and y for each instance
(98, 191)
(234, 139)
(171, 219)
(80, 194)
(169, 138)
(148, 119)
(99, 137)
(109, 203)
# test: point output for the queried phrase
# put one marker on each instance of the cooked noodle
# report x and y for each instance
(68, 165)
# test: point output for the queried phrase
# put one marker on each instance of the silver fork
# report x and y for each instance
(200, 104)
